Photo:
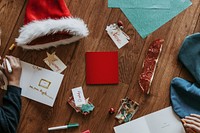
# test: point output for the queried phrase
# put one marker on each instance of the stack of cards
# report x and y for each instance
(119, 37)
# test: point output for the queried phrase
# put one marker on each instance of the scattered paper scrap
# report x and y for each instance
(126, 111)
(119, 37)
(54, 63)
(84, 109)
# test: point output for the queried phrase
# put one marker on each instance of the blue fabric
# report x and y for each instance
(185, 97)
(189, 55)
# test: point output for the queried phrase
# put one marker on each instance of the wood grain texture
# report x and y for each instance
(36, 118)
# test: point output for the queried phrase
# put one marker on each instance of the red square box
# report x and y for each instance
(102, 68)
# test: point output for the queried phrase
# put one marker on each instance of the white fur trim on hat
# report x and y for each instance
(73, 26)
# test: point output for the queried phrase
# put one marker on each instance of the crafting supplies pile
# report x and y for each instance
(46, 28)
(148, 15)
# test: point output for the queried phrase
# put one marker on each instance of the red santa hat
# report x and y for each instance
(49, 23)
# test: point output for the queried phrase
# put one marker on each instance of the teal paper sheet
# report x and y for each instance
(139, 4)
(145, 21)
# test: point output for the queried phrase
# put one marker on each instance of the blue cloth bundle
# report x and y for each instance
(185, 96)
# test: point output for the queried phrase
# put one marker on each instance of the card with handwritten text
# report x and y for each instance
(78, 96)
(55, 63)
(117, 35)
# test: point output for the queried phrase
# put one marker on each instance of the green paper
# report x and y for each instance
(139, 3)
(87, 108)
(145, 21)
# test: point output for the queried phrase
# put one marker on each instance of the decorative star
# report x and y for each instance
(51, 57)
(87, 100)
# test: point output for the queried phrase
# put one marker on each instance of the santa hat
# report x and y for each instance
(49, 23)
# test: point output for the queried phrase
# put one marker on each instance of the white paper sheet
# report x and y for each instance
(162, 121)
(40, 84)
(78, 95)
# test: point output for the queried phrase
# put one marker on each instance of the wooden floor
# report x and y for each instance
(36, 117)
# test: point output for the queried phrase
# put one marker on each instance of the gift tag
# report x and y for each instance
(54, 63)
(78, 95)
(117, 35)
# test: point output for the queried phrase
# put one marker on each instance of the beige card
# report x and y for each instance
(55, 63)
(117, 35)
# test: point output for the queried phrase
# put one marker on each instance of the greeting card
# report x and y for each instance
(55, 63)
(162, 121)
(119, 37)
(39, 84)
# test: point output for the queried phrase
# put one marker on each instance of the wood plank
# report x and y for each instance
(103, 97)
(31, 56)
(101, 46)
(167, 67)
(9, 13)
(196, 27)
(69, 82)
(100, 95)
(36, 117)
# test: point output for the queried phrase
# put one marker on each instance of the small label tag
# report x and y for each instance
(78, 95)
(55, 63)
(117, 35)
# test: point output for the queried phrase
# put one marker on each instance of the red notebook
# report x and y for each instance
(102, 68)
